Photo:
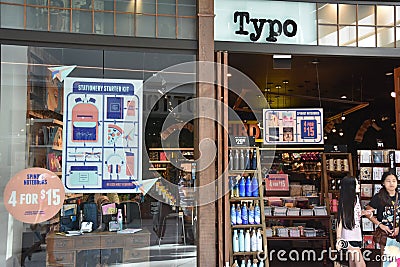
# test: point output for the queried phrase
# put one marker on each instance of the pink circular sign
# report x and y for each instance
(34, 195)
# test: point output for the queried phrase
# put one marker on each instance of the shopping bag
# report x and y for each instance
(391, 253)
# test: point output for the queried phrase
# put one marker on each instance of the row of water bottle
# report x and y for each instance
(242, 159)
(243, 187)
(249, 264)
(246, 242)
(242, 215)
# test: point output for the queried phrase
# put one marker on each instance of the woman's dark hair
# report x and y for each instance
(383, 194)
(347, 201)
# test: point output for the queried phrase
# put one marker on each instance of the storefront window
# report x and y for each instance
(347, 14)
(31, 105)
(385, 15)
(327, 13)
(366, 15)
(347, 36)
(98, 17)
(385, 37)
(366, 37)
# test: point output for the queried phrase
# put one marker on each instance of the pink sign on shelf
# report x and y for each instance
(277, 182)
(34, 195)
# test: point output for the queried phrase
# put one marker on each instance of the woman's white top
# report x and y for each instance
(355, 233)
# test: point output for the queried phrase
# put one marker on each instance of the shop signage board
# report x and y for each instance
(255, 21)
(293, 126)
(102, 139)
(34, 195)
(276, 182)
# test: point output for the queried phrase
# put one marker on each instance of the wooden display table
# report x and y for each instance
(68, 250)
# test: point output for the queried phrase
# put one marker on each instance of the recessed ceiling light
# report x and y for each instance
(268, 89)
(278, 86)
(388, 73)
(228, 75)
(285, 81)
(393, 94)
(343, 97)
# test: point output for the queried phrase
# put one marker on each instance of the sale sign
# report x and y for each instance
(276, 182)
(34, 195)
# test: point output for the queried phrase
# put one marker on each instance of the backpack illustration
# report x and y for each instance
(85, 117)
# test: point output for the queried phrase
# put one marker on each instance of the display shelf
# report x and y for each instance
(246, 253)
(242, 171)
(160, 161)
(297, 217)
(47, 146)
(275, 238)
(241, 226)
(237, 199)
(171, 149)
(157, 169)
(46, 121)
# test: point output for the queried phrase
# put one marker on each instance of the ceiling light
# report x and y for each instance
(341, 132)
(389, 73)
(393, 94)
(268, 89)
(228, 75)
(325, 137)
(278, 86)
(343, 117)
(333, 129)
(343, 97)
(285, 81)
(282, 56)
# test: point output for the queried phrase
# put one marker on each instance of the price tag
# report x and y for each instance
(34, 195)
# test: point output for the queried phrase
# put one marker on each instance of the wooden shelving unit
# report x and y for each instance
(336, 173)
(256, 173)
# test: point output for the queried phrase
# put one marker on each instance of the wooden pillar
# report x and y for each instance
(206, 129)
(396, 77)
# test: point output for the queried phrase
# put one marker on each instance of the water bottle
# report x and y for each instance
(251, 214)
(248, 187)
(259, 241)
(242, 187)
(247, 241)
(257, 214)
(254, 160)
(245, 218)
(261, 263)
(230, 160)
(247, 159)
(231, 186)
(238, 215)
(233, 215)
(253, 241)
(235, 241)
(119, 219)
(243, 263)
(236, 160)
(248, 263)
(254, 187)
(241, 161)
(241, 241)
(235, 188)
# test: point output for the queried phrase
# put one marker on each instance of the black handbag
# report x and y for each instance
(380, 236)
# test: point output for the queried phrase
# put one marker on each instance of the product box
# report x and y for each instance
(368, 241)
(366, 190)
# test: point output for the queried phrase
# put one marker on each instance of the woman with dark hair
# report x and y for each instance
(384, 202)
(349, 216)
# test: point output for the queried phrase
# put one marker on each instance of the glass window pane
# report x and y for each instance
(82, 21)
(187, 28)
(166, 27)
(385, 37)
(82, 4)
(104, 23)
(16, 1)
(348, 36)
(59, 20)
(366, 15)
(366, 36)
(125, 26)
(107, 5)
(12, 16)
(58, 3)
(397, 15)
(166, 7)
(347, 14)
(186, 8)
(36, 18)
(397, 37)
(327, 13)
(385, 15)
(32, 2)
(145, 26)
(126, 5)
(327, 35)
(146, 6)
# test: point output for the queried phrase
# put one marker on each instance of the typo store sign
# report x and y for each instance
(265, 22)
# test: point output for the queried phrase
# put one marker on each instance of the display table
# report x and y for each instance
(69, 250)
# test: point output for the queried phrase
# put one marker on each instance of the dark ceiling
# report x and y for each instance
(361, 79)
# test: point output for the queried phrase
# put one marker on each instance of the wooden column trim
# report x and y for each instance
(206, 129)
(396, 79)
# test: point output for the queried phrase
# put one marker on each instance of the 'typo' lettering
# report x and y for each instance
(275, 27)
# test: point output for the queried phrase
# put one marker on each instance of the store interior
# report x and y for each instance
(338, 84)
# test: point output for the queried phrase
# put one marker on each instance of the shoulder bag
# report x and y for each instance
(380, 236)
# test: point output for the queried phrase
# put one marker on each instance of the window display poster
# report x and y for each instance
(276, 182)
(102, 136)
(293, 126)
